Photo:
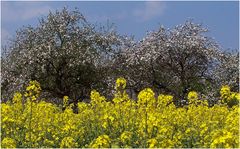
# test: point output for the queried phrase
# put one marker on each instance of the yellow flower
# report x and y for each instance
(192, 95)
(146, 96)
(225, 91)
(17, 98)
(164, 99)
(65, 101)
(121, 82)
(102, 141)
(48, 142)
(228, 97)
(158, 123)
(152, 143)
(8, 143)
(126, 137)
(68, 142)
(96, 98)
(33, 90)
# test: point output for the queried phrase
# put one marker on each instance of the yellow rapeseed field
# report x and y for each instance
(148, 122)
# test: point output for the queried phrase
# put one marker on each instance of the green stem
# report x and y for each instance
(30, 129)
(146, 125)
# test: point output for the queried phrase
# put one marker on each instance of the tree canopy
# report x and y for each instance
(70, 56)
